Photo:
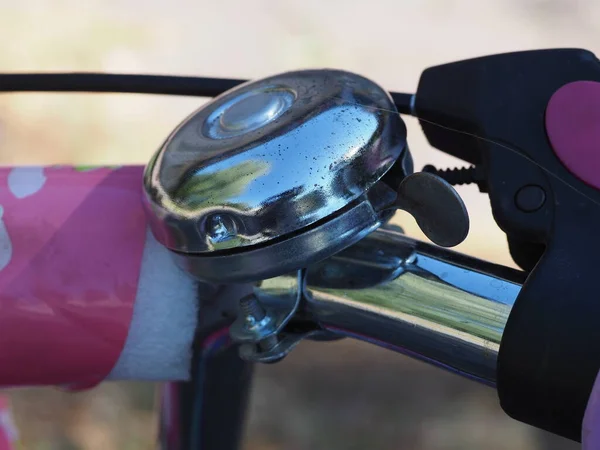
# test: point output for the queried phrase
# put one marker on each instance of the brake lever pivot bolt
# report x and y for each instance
(530, 198)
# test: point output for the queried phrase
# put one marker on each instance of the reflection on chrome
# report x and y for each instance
(429, 303)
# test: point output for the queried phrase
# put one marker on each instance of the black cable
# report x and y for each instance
(121, 83)
(136, 84)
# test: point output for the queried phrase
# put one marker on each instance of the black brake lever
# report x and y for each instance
(524, 120)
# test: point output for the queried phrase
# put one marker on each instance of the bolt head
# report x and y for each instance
(220, 228)
(250, 321)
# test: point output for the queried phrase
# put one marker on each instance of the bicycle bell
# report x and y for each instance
(276, 174)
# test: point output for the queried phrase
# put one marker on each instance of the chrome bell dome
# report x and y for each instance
(275, 174)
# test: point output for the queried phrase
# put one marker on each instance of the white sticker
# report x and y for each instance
(26, 181)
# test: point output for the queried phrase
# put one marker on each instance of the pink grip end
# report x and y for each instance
(573, 127)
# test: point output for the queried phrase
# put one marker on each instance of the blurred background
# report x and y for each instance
(340, 395)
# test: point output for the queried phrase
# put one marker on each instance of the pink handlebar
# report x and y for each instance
(71, 244)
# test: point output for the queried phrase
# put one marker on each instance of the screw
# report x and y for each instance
(220, 228)
(268, 343)
(252, 308)
(254, 314)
